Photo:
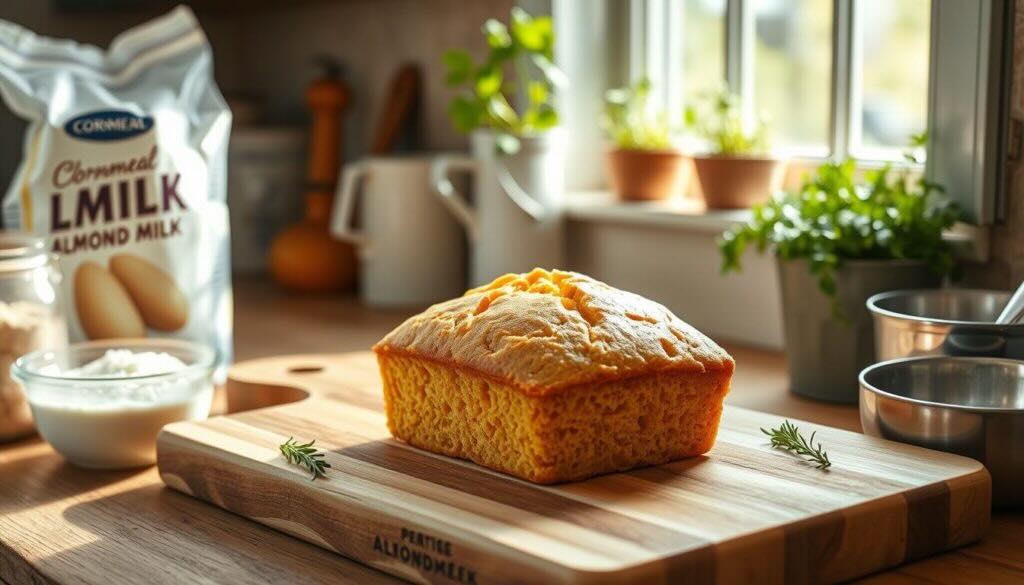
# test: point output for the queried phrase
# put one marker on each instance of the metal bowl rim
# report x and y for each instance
(865, 386)
(872, 305)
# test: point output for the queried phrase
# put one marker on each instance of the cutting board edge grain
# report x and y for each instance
(826, 546)
(219, 488)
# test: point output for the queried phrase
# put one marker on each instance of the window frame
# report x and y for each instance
(739, 23)
(969, 48)
(970, 43)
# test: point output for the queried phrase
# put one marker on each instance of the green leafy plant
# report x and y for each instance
(306, 455)
(718, 118)
(628, 122)
(788, 437)
(833, 218)
(525, 47)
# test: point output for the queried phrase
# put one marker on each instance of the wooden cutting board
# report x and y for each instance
(743, 513)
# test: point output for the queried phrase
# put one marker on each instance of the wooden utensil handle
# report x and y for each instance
(398, 109)
(327, 99)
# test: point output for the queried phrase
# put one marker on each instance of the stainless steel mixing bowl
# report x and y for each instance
(971, 406)
(954, 322)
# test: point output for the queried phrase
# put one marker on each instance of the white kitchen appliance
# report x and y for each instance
(411, 250)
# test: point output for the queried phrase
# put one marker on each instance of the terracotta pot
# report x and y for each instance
(647, 175)
(737, 182)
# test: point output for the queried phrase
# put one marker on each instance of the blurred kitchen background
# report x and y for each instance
(844, 78)
(265, 53)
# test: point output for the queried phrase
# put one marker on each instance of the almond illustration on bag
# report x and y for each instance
(123, 172)
(116, 303)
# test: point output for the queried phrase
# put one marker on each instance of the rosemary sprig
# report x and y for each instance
(788, 437)
(306, 455)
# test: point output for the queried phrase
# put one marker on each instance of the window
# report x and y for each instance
(703, 47)
(841, 78)
(792, 71)
(837, 78)
(889, 75)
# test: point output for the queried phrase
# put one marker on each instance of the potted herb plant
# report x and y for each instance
(517, 157)
(838, 241)
(643, 164)
(739, 171)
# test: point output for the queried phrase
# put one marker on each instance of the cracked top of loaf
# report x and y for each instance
(544, 331)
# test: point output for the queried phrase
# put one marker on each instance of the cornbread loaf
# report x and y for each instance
(553, 376)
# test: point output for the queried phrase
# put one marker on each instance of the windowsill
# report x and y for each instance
(689, 214)
(970, 242)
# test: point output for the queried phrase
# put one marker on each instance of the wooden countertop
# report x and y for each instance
(59, 524)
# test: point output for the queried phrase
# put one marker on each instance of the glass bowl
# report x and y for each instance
(111, 422)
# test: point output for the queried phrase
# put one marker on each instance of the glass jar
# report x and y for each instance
(31, 318)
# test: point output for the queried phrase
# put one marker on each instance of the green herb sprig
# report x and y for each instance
(788, 437)
(306, 455)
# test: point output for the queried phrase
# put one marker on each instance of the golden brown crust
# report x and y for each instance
(547, 331)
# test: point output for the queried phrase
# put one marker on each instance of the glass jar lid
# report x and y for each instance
(21, 251)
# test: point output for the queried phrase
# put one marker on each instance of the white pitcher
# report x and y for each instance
(515, 221)
(411, 251)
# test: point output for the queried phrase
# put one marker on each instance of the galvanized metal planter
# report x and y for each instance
(825, 354)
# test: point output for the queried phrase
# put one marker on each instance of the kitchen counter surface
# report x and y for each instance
(59, 524)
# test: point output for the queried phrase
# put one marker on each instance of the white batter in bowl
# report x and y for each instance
(101, 404)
